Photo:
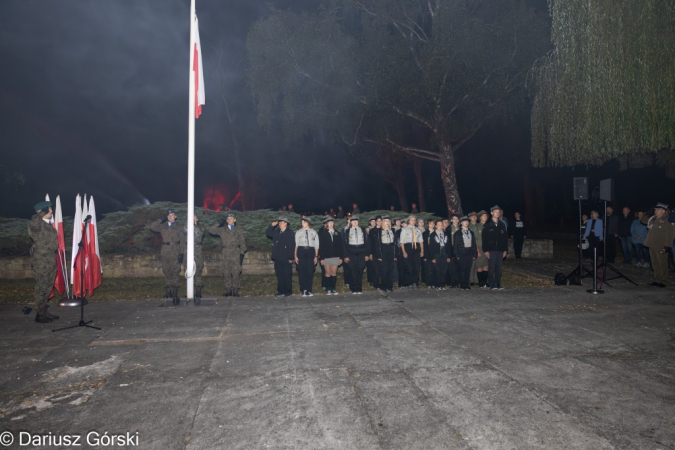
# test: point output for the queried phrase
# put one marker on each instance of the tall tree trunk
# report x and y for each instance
(417, 165)
(236, 157)
(449, 178)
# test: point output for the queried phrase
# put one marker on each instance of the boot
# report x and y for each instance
(227, 293)
(42, 317)
(235, 292)
(167, 291)
(174, 294)
(198, 296)
(51, 316)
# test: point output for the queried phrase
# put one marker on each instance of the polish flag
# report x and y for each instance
(198, 68)
(77, 257)
(93, 268)
(57, 223)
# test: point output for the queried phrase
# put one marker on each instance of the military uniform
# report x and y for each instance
(173, 248)
(660, 241)
(234, 246)
(43, 261)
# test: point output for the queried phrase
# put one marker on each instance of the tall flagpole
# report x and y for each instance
(190, 259)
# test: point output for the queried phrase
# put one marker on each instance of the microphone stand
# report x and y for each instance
(82, 299)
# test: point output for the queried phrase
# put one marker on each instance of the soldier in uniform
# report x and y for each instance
(172, 252)
(199, 259)
(495, 247)
(660, 242)
(234, 246)
(43, 259)
(283, 251)
(306, 255)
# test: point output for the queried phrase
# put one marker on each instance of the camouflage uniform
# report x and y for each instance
(43, 259)
(172, 246)
(234, 247)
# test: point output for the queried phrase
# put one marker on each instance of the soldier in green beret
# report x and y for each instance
(660, 242)
(234, 247)
(43, 259)
(173, 243)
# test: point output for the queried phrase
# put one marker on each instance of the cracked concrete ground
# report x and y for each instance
(526, 368)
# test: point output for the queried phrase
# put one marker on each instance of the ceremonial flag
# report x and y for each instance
(198, 68)
(77, 257)
(93, 257)
(60, 283)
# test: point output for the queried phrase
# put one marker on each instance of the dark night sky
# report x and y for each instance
(93, 98)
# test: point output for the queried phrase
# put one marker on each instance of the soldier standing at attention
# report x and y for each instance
(495, 247)
(43, 259)
(199, 259)
(172, 252)
(306, 255)
(283, 250)
(234, 246)
(660, 242)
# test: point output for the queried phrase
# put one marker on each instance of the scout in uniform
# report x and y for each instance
(453, 268)
(370, 265)
(660, 242)
(427, 266)
(439, 256)
(465, 251)
(383, 249)
(330, 254)
(199, 259)
(412, 250)
(473, 226)
(234, 246)
(306, 255)
(43, 259)
(283, 251)
(355, 247)
(495, 247)
(173, 243)
(481, 263)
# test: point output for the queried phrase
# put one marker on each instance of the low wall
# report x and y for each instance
(255, 263)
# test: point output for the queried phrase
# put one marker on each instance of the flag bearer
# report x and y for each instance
(234, 246)
(43, 259)
(172, 252)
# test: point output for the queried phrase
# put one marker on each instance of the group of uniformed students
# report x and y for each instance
(457, 252)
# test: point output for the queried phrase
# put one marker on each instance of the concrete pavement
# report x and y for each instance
(528, 368)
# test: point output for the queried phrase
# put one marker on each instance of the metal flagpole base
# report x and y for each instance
(72, 302)
(595, 291)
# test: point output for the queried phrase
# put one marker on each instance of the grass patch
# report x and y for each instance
(21, 291)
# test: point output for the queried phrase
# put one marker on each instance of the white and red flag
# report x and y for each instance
(92, 268)
(77, 257)
(60, 283)
(198, 68)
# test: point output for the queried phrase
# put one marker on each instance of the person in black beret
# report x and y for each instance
(283, 252)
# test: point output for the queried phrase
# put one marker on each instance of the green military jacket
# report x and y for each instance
(172, 236)
(233, 240)
(661, 232)
(45, 240)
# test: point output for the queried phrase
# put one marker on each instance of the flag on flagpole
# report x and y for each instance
(93, 267)
(75, 255)
(198, 68)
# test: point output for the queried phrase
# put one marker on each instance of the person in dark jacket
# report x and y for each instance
(374, 224)
(518, 232)
(400, 262)
(383, 250)
(440, 252)
(330, 254)
(427, 265)
(495, 247)
(283, 252)
(625, 237)
(355, 248)
(346, 272)
(465, 251)
(612, 235)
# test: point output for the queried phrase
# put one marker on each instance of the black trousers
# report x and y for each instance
(400, 268)
(412, 264)
(464, 265)
(373, 275)
(453, 273)
(439, 270)
(610, 254)
(385, 268)
(518, 245)
(495, 268)
(357, 263)
(284, 272)
(306, 268)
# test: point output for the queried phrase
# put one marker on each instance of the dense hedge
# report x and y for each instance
(128, 232)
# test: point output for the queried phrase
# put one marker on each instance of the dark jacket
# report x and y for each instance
(330, 248)
(495, 238)
(351, 251)
(434, 246)
(283, 244)
(612, 225)
(518, 229)
(465, 252)
(624, 225)
(376, 242)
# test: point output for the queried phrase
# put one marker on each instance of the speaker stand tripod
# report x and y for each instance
(580, 271)
(605, 264)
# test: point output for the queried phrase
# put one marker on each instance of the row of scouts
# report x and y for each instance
(173, 250)
(454, 252)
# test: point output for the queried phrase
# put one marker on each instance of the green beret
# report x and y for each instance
(170, 211)
(42, 205)
(231, 214)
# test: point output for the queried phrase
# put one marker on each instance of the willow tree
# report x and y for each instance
(607, 89)
(394, 73)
